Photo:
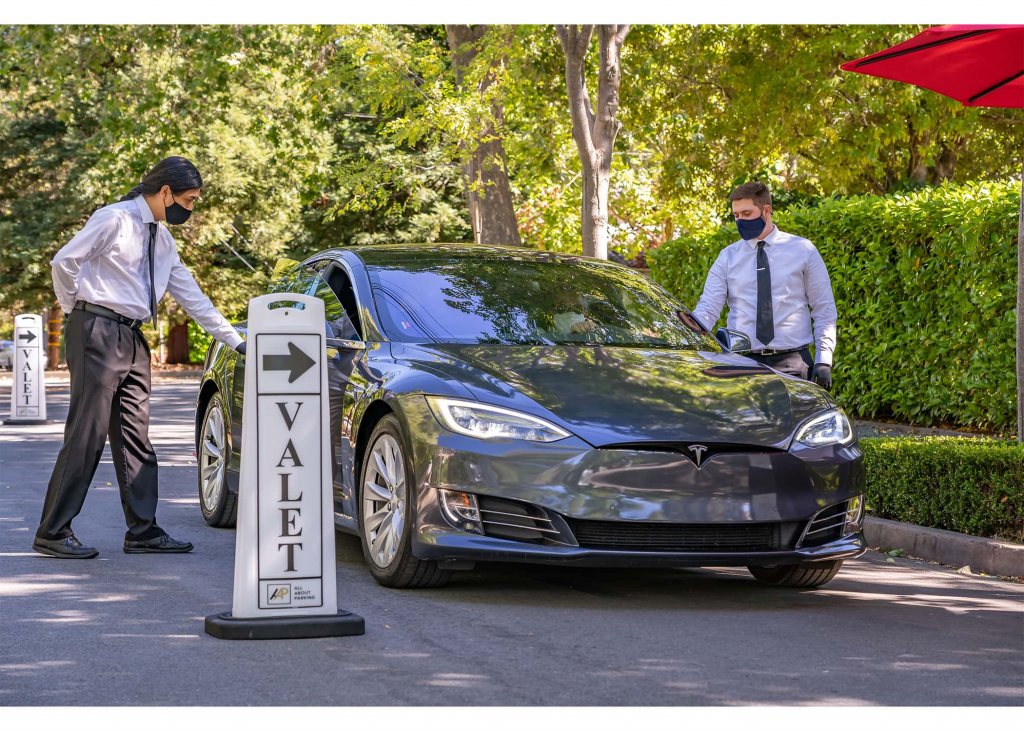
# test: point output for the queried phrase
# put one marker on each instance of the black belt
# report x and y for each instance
(770, 351)
(107, 312)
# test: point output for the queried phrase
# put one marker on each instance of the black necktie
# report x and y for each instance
(765, 320)
(152, 282)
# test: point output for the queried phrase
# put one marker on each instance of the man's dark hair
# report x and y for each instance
(174, 171)
(755, 191)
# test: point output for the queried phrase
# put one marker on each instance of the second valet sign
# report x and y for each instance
(285, 580)
(28, 389)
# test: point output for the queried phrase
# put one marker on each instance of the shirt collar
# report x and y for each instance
(147, 214)
(770, 239)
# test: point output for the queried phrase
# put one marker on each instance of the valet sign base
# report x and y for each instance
(28, 387)
(285, 579)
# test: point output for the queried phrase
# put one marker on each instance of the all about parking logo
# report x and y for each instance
(279, 594)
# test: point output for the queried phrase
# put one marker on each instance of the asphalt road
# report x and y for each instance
(129, 629)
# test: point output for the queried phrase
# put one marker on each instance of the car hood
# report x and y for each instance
(608, 395)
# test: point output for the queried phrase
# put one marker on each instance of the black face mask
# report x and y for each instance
(176, 213)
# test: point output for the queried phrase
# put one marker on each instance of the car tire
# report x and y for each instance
(395, 566)
(797, 576)
(218, 503)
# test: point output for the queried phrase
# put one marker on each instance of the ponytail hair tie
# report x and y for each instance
(133, 193)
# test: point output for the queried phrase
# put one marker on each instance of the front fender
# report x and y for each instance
(218, 372)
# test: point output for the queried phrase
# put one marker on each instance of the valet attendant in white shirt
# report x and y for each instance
(108, 279)
(775, 284)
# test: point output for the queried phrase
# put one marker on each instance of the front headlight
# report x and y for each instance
(485, 422)
(832, 427)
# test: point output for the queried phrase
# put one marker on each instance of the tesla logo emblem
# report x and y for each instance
(698, 452)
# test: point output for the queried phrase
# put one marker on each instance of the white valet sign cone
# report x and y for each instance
(285, 578)
(28, 368)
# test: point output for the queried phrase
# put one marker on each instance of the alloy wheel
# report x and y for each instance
(384, 500)
(212, 458)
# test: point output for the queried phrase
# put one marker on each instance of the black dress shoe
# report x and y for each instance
(163, 544)
(63, 548)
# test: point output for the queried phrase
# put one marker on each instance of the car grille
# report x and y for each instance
(828, 525)
(696, 538)
(516, 521)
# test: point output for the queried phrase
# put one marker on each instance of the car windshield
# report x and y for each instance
(529, 302)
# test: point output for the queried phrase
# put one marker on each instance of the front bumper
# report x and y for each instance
(451, 544)
(572, 482)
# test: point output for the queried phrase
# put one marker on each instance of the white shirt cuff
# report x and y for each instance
(233, 340)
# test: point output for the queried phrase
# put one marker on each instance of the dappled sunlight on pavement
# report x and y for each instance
(943, 590)
(899, 632)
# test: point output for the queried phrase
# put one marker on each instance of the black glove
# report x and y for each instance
(241, 348)
(822, 375)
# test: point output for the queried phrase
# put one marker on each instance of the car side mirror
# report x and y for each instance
(342, 344)
(733, 340)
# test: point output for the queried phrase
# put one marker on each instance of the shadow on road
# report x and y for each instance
(903, 633)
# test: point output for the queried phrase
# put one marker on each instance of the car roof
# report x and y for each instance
(387, 254)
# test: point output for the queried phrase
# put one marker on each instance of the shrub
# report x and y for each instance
(963, 484)
(198, 342)
(925, 286)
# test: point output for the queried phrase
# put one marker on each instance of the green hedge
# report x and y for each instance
(198, 342)
(925, 287)
(963, 484)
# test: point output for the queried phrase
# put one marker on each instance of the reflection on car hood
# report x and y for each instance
(609, 395)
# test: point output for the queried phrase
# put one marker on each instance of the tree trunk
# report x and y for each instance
(488, 192)
(945, 166)
(594, 132)
(177, 344)
(1020, 312)
(594, 214)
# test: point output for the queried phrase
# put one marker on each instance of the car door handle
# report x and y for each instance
(343, 344)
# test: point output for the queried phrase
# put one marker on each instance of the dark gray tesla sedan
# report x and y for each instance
(495, 404)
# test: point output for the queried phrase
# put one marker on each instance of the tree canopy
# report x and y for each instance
(310, 137)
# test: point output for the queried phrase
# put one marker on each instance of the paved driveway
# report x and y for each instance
(129, 629)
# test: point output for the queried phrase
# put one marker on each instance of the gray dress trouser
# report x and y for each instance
(799, 364)
(110, 381)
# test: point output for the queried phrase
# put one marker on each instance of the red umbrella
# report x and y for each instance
(979, 66)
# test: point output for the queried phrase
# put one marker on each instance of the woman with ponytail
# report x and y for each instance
(108, 280)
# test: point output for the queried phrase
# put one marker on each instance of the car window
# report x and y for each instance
(298, 279)
(396, 319)
(522, 301)
(337, 278)
(306, 279)
(339, 325)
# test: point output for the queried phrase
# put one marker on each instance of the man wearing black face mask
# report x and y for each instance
(775, 284)
(109, 279)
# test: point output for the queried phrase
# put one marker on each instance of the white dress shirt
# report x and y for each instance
(106, 264)
(799, 281)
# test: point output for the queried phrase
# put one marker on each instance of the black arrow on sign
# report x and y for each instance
(296, 361)
(29, 335)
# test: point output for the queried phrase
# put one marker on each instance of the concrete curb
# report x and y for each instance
(987, 555)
